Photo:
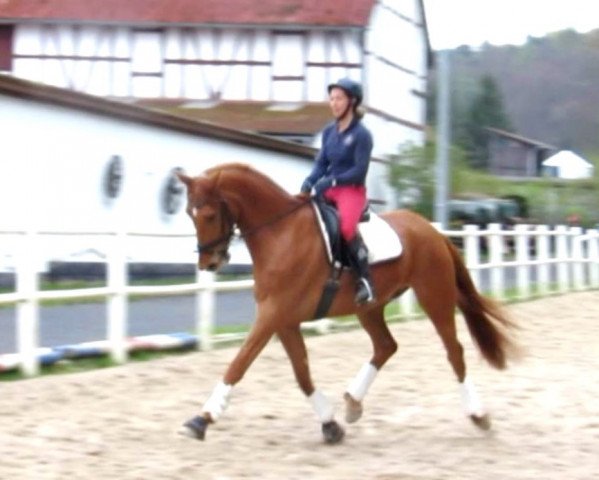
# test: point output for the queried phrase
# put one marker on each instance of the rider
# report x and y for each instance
(339, 174)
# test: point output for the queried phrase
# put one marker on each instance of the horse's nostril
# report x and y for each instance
(212, 267)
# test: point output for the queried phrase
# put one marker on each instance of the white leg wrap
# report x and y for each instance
(470, 399)
(359, 386)
(322, 406)
(218, 401)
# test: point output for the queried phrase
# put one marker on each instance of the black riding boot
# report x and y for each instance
(359, 261)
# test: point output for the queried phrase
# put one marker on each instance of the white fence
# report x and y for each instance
(524, 262)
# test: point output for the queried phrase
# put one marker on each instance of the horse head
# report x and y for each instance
(212, 219)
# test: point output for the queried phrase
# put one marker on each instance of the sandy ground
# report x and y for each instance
(120, 423)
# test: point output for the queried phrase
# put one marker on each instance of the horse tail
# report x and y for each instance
(487, 323)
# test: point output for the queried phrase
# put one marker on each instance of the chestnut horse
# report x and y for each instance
(291, 268)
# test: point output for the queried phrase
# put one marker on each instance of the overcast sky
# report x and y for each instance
(452, 23)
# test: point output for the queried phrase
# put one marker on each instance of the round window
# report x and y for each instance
(172, 193)
(113, 177)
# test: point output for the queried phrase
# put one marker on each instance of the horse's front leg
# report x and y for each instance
(294, 345)
(384, 346)
(218, 401)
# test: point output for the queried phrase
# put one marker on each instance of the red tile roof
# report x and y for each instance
(285, 12)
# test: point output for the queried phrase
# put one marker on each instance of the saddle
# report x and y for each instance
(380, 239)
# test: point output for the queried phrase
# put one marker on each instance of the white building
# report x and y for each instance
(278, 54)
(79, 163)
(146, 87)
(566, 164)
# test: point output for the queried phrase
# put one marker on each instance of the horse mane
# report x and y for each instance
(250, 174)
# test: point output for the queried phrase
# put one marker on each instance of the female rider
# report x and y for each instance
(339, 174)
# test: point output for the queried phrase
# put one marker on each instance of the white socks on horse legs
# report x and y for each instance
(470, 399)
(321, 405)
(359, 386)
(218, 401)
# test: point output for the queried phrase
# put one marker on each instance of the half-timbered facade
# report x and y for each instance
(203, 54)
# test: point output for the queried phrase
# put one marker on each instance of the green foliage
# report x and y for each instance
(413, 177)
(548, 200)
(549, 87)
(549, 94)
(486, 110)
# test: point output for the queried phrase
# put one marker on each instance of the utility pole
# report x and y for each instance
(443, 141)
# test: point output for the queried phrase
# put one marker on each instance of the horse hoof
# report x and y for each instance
(194, 428)
(483, 421)
(333, 433)
(353, 408)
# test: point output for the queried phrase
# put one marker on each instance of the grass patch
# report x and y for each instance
(46, 285)
(64, 367)
(394, 313)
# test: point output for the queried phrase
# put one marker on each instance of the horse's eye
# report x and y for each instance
(209, 217)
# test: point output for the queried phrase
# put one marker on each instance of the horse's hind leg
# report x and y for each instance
(439, 305)
(294, 345)
(384, 346)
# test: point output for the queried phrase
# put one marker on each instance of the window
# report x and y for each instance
(146, 63)
(6, 33)
(288, 66)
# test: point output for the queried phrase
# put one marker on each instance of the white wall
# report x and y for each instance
(395, 67)
(53, 159)
(53, 162)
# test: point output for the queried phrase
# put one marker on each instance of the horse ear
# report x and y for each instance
(184, 179)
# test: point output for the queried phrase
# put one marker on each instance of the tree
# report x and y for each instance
(486, 110)
(412, 175)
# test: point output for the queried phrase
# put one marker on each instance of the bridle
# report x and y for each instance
(227, 232)
(229, 229)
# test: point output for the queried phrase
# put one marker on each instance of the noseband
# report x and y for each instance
(227, 229)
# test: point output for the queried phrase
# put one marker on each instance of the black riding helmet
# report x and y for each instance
(350, 87)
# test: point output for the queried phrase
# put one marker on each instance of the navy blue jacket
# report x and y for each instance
(343, 156)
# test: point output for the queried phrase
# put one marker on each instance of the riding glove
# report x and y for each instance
(306, 186)
(324, 184)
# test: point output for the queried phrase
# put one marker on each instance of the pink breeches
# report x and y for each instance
(350, 201)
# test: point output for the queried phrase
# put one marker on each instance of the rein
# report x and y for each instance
(273, 220)
(230, 233)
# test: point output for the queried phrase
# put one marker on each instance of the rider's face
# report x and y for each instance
(339, 102)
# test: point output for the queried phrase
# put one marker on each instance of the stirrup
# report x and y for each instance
(364, 293)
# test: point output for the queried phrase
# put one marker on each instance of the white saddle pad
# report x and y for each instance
(380, 239)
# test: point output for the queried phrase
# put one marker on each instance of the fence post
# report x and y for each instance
(593, 252)
(205, 308)
(522, 259)
(472, 252)
(27, 307)
(563, 268)
(117, 299)
(542, 258)
(407, 302)
(578, 275)
(496, 260)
